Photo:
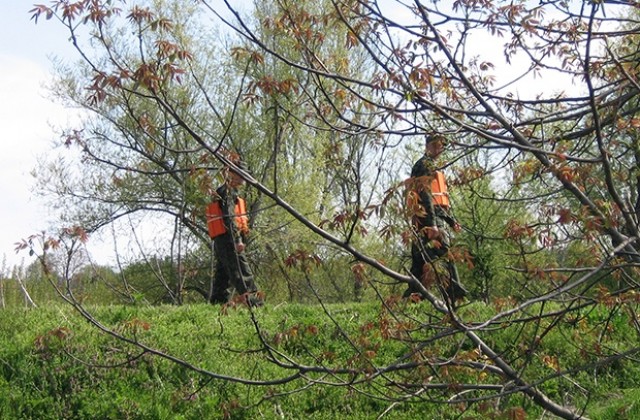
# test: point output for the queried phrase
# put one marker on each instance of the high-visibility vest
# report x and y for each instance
(215, 224)
(439, 190)
(242, 220)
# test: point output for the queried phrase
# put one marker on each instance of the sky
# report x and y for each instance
(26, 118)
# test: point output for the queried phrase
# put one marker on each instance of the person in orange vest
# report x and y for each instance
(228, 225)
(429, 208)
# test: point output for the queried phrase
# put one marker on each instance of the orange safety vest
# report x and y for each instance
(242, 220)
(214, 218)
(439, 194)
(439, 190)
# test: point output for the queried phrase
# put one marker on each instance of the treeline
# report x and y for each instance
(487, 253)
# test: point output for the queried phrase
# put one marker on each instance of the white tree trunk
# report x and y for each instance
(2, 303)
(27, 298)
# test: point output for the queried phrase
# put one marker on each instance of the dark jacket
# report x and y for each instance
(421, 174)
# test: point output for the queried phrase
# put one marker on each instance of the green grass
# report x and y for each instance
(54, 364)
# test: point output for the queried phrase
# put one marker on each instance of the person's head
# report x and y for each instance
(435, 144)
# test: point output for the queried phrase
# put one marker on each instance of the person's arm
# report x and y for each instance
(426, 200)
(236, 233)
(446, 216)
(227, 203)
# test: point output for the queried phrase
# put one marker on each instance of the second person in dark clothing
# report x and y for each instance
(228, 225)
(428, 205)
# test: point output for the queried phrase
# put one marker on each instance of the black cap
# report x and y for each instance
(435, 137)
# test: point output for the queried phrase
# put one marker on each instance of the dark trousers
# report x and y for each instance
(444, 271)
(232, 270)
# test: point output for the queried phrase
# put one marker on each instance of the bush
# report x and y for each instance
(53, 364)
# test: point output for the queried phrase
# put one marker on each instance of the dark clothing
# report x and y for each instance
(421, 174)
(232, 269)
(429, 252)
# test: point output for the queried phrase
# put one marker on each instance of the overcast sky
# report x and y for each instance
(26, 116)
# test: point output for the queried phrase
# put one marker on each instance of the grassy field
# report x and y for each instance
(55, 364)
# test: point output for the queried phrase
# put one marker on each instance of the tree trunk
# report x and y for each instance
(2, 303)
(27, 298)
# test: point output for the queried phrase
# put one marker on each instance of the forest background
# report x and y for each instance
(329, 103)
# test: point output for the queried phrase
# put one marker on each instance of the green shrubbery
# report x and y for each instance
(54, 364)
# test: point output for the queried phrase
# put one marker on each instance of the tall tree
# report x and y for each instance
(569, 156)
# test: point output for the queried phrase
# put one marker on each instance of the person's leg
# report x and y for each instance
(223, 250)
(417, 269)
(453, 287)
(455, 290)
(219, 293)
(241, 278)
